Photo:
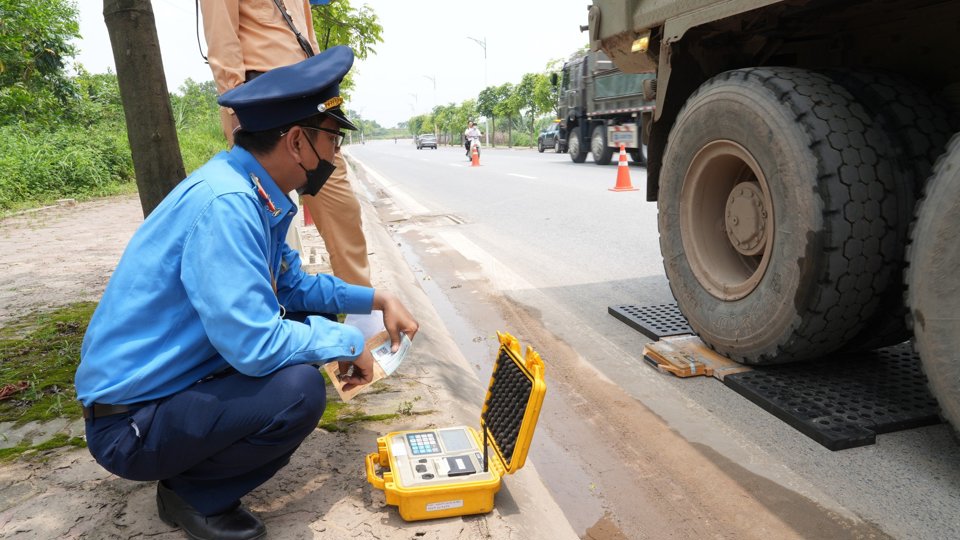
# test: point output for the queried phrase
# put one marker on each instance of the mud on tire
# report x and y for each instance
(933, 285)
(804, 170)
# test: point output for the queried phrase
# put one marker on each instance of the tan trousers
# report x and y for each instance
(336, 214)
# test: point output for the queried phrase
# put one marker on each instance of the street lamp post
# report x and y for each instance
(483, 43)
(434, 81)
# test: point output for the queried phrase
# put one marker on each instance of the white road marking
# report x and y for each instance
(522, 176)
(398, 195)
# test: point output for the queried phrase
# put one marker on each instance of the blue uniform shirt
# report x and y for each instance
(193, 293)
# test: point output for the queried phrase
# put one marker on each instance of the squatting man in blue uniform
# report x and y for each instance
(194, 371)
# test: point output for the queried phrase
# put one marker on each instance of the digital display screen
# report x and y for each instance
(455, 440)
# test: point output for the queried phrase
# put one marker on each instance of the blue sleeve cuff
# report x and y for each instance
(358, 299)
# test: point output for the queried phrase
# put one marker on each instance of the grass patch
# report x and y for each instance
(340, 416)
(59, 440)
(43, 349)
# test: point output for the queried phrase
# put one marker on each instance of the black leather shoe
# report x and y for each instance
(236, 524)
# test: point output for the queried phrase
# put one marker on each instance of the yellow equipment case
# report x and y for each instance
(446, 472)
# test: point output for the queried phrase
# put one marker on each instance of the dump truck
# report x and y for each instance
(601, 107)
(805, 162)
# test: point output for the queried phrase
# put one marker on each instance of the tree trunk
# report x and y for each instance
(154, 148)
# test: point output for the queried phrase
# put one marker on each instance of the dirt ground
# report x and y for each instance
(666, 488)
(63, 254)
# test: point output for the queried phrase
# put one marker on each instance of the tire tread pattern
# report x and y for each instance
(856, 188)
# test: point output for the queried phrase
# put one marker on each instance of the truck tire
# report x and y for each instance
(639, 155)
(933, 283)
(775, 197)
(919, 128)
(578, 153)
(598, 146)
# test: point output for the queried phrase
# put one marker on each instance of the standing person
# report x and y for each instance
(246, 38)
(189, 373)
(471, 134)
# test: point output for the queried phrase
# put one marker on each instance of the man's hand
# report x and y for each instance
(396, 318)
(360, 371)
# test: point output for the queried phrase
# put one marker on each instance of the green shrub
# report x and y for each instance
(39, 165)
(199, 143)
(519, 138)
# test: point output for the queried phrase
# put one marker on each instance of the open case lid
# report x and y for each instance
(512, 405)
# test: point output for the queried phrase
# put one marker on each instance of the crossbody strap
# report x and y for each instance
(304, 44)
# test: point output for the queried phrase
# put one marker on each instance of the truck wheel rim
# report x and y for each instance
(726, 220)
(596, 145)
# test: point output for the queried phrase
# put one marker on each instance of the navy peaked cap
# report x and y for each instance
(285, 95)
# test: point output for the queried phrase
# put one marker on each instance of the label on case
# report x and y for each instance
(445, 505)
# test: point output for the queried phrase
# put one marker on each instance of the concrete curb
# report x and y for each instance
(451, 388)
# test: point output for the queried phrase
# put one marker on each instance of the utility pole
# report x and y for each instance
(434, 81)
(157, 162)
(436, 131)
(483, 44)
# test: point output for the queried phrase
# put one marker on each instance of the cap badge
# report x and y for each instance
(335, 101)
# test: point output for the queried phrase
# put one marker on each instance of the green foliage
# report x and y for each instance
(339, 23)
(35, 43)
(416, 125)
(197, 117)
(39, 164)
(339, 416)
(43, 350)
(509, 106)
(26, 448)
(199, 144)
(97, 100)
(86, 154)
(522, 138)
(508, 101)
(196, 105)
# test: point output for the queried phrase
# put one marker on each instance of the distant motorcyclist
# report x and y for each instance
(471, 135)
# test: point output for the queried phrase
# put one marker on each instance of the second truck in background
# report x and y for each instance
(600, 107)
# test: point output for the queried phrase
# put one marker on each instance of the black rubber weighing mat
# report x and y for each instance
(655, 321)
(842, 401)
(846, 400)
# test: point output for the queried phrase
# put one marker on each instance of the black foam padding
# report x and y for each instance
(654, 321)
(846, 400)
(507, 403)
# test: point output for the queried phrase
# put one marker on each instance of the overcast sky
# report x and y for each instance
(423, 41)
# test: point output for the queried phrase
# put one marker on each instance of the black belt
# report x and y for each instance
(99, 409)
(251, 75)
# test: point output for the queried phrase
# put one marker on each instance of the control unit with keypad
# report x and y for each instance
(435, 473)
(437, 456)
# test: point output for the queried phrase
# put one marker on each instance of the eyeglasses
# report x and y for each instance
(338, 140)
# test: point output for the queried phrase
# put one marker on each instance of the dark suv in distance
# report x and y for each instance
(427, 140)
(549, 138)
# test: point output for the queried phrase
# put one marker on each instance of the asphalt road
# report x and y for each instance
(549, 237)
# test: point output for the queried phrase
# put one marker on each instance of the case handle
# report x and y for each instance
(375, 481)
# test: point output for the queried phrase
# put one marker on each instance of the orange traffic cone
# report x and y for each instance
(623, 173)
(474, 157)
(307, 218)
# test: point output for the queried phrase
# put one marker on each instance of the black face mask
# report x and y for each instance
(317, 176)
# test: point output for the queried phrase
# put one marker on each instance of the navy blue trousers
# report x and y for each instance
(217, 440)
